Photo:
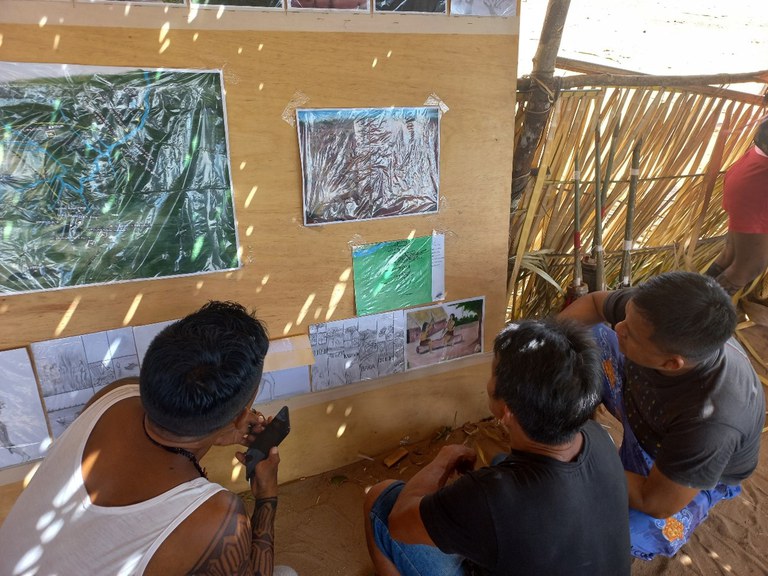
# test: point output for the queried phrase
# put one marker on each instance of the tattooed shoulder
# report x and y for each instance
(229, 551)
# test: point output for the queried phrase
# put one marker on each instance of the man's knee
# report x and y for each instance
(374, 493)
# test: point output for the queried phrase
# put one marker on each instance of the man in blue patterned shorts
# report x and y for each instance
(689, 400)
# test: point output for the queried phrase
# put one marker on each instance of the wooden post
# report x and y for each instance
(541, 95)
(537, 109)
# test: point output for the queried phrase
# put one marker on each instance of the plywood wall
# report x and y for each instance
(294, 275)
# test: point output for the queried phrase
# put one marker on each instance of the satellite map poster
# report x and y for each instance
(112, 174)
(368, 163)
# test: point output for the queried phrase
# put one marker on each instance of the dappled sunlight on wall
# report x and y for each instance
(67, 316)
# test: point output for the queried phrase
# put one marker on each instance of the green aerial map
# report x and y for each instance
(111, 174)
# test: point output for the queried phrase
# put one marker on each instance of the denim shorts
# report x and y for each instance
(410, 559)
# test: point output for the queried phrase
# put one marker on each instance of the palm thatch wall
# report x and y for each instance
(689, 139)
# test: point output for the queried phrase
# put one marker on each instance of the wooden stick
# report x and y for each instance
(597, 243)
(626, 263)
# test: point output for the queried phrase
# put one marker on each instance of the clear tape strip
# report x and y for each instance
(434, 100)
(297, 101)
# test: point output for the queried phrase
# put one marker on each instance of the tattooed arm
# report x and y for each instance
(263, 536)
(219, 540)
(242, 548)
(264, 489)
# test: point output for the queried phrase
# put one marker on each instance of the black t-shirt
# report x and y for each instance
(702, 427)
(532, 514)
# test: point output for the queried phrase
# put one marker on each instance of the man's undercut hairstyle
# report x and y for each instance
(761, 136)
(548, 374)
(690, 313)
(200, 372)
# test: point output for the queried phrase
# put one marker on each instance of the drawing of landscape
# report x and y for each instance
(73, 369)
(23, 432)
(444, 332)
(357, 349)
(112, 174)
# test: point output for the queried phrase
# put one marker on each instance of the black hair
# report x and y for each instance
(548, 373)
(200, 372)
(690, 313)
(761, 136)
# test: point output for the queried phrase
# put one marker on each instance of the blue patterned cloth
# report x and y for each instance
(649, 536)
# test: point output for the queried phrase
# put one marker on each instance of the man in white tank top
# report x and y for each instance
(122, 491)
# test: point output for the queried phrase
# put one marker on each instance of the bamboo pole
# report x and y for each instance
(541, 95)
(708, 185)
(626, 262)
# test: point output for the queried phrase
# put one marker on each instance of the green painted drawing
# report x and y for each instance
(392, 275)
(111, 174)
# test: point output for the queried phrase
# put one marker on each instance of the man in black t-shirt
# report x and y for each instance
(556, 505)
(689, 400)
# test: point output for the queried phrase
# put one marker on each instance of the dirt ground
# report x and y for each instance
(320, 523)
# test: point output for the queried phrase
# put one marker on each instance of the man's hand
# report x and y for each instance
(456, 458)
(243, 430)
(264, 481)
(405, 522)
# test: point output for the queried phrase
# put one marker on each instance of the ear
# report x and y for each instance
(507, 417)
(673, 363)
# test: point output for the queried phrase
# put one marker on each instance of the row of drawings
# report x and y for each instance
(457, 7)
(368, 347)
(71, 370)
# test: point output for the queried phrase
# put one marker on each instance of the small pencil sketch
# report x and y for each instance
(24, 435)
(101, 374)
(5, 439)
(73, 369)
(125, 367)
(357, 349)
(61, 365)
(368, 349)
(60, 420)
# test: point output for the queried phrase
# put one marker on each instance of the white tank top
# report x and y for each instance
(54, 529)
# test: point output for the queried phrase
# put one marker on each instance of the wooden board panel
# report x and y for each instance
(294, 275)
(289, 268)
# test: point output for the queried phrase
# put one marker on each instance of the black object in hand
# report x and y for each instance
(272, 435)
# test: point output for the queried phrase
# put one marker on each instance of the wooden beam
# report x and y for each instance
(600, 75)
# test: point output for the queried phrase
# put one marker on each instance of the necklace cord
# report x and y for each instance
(176, 450)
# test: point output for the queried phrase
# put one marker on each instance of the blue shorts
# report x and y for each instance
(648, 536)
(410, 559)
